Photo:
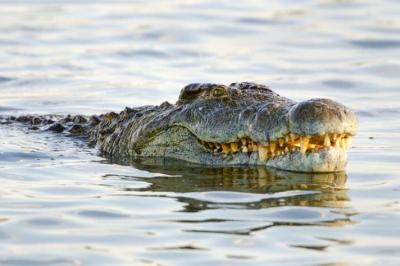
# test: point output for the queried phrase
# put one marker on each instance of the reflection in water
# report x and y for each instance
(274, 187)
(59, 58)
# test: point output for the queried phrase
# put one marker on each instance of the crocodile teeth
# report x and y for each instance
(272, 147)
(254, 147)
(337, 143)
(304, 144)
(245, 149)
(327, 141)
(225, 148)
(263, 153)
(281, 142)
(234, 147)
(343, 143)
(283, 145)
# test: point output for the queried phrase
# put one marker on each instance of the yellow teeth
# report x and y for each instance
(254, 147)
(281, 142)
(272, 147)
(327, 141)
(337, 143)
(262, 153)
(304, 144)
(290, 143)
(225, 148)
(345, 142)
(234, 147)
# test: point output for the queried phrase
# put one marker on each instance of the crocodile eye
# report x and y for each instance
(219, 91)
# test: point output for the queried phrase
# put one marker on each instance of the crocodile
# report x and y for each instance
(220, 125)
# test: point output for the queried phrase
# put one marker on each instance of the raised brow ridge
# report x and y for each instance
(192, 90)
(249, 86)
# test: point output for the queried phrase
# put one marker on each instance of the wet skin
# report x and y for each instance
(210, 124)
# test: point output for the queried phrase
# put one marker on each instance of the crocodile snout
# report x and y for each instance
(321, 116)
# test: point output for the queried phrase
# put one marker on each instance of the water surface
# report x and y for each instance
(61, 204)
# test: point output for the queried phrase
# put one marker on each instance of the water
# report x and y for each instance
(60, 204)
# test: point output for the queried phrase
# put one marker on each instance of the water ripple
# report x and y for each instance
(60, 204)
(377, 44)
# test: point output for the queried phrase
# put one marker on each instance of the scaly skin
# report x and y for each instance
(239, 124)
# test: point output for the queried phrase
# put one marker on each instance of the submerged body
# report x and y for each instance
(239, 124)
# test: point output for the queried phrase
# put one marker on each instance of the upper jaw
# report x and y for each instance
(264, 123)
(315, 123)
(311, 136)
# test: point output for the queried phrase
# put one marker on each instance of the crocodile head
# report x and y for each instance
(239, 124)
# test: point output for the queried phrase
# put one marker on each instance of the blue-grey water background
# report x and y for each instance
(61, 204)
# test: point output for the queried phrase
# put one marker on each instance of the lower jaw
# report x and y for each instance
(323, 160)
(180, 143)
